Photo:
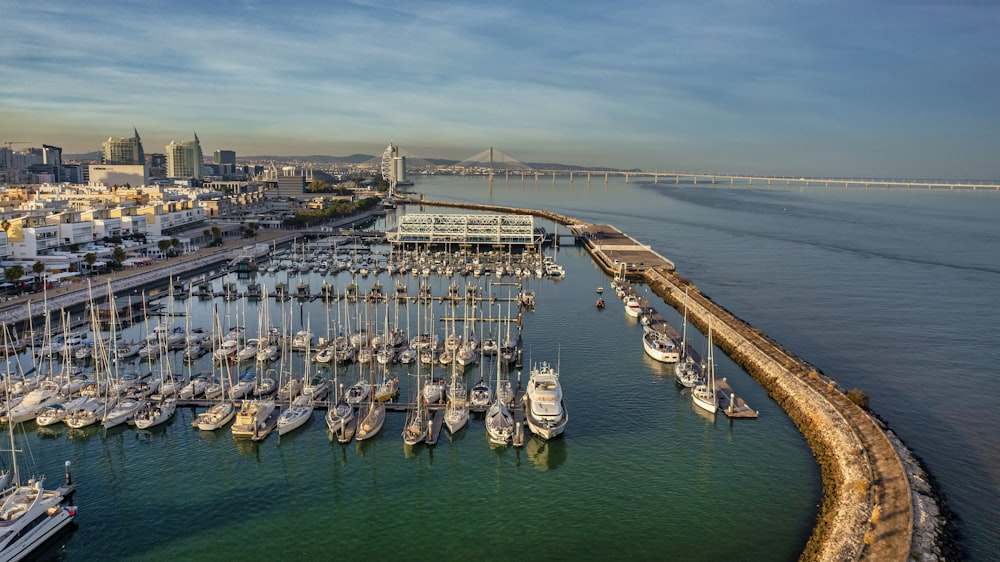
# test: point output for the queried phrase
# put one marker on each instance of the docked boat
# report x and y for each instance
(295, 415)
(660, 346)
(156, 411)
(251, 420)
(703, 394)
(84, 414)
(340, 418)
(480, 395)
(29, 516)
(632, 306)
(35, 401)
(123, 411)
(545, 411)
(216, 416)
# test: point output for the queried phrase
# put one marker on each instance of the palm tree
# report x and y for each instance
(90, 259)
(118, 254)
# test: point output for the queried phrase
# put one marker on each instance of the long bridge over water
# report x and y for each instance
(695, 178)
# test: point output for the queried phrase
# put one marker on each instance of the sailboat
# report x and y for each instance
(417, 424)
(456, 413)
(30, 514)
(301, 409)
(687, 372)
(703, 394)
(499, 422)
(374, 417)
(222, 412)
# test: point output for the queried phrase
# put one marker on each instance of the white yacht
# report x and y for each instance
(660, 346)
(252, 418)
(29, 516)
(216, 416)
(632, 306)
(545, 411)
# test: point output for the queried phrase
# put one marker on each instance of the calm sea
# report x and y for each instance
(889, 292)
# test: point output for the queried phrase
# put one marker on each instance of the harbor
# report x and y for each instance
(634, 264)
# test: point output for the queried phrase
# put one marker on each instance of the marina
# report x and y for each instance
(543, 291)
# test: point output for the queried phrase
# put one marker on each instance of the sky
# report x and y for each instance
(847, 88)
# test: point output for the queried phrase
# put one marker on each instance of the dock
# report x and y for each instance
(437, 420)
(732, 405)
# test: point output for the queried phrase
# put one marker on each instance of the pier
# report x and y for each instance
(867, 512)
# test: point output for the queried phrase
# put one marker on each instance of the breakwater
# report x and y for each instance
(875, 505)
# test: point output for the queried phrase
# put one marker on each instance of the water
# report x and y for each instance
(885, 291)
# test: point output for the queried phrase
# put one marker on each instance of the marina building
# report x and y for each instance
(482, 229)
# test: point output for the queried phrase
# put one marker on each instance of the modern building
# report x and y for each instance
(118, 175)
(185, 159)
(125, 151)
(226, 160)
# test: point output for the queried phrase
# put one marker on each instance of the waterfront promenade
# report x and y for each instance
(868, 510)
(15, 310)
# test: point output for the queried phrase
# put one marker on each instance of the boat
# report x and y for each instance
(456, 413)
(632, 306)
(295, 415)
(687, 372)
(340, 418)
(499, 421)
(600, 303)
(251, 420)
(545, 411)
(35, 401)
(703, 394)
(84, 414)
(123, 411)
(660, 346)
(157, 410)
(216, 416)
(30, 515)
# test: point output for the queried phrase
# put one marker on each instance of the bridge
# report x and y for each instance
(495, 164)
(692, 178)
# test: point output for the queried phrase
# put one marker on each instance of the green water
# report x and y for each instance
(639, 473)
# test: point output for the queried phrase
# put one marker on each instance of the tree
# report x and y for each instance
(118, 254)
(90, 259)
(163, 245)
(174, 243)
(13, 273)
(37, 267)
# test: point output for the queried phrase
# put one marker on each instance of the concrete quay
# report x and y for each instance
(869, 496)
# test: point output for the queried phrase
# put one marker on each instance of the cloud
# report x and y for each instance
(632, 81)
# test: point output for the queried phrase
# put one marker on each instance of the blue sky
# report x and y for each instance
(845, 88)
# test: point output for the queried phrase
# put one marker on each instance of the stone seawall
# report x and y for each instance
(866, 511)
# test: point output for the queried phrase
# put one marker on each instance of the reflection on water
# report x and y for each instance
(546, 455)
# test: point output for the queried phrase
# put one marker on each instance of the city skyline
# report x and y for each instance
(899, 89)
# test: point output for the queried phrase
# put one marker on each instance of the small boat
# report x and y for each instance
(600, 303)
(600, 290)
(216, 416)
(632, 306)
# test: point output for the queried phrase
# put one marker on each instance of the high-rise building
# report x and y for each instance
(226, 160)
(185, 160)
(127, 151)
